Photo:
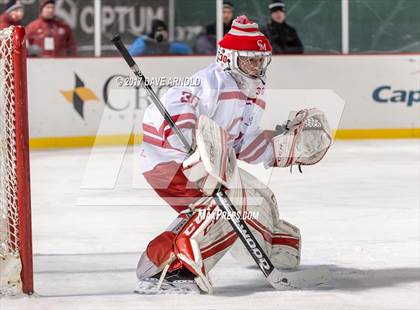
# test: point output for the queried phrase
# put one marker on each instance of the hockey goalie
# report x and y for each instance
(221, 117)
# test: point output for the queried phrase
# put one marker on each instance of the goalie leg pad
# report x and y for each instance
(203, 242)
(158, 254)
(160, 251)
(286, 245)
(280, 239)
(198, 245)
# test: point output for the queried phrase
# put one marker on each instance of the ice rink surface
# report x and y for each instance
(358, 211)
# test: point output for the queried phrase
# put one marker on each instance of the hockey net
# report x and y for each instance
(15, 218)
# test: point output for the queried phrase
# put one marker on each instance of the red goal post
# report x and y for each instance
(16, 267)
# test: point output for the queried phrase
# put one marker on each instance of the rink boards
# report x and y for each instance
(81, 101)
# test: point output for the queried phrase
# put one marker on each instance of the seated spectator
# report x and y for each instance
(283, 37)
(156, 42)
(12, 15)
(51, 36)
(206, 41)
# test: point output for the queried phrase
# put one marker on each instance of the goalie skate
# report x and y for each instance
(178, 282)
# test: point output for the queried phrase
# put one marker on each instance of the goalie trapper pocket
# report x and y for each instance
(304, 139)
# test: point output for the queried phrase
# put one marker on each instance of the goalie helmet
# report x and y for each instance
(244, 50)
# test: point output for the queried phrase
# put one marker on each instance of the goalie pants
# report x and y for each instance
(200, 235)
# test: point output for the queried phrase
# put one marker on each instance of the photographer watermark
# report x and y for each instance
(216, 215)
(158, 81)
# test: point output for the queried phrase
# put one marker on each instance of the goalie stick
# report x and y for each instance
(278, 279)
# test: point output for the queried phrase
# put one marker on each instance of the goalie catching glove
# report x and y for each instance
(303, 140)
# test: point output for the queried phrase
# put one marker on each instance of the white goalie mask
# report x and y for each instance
(244, 50)
(250, 64)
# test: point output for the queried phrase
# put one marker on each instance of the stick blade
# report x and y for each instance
(300, 279)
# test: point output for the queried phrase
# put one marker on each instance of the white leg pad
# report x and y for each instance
(280, 239)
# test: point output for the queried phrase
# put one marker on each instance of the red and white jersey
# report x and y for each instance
(218, 97)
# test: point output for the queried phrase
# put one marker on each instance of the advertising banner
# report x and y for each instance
(91, 97)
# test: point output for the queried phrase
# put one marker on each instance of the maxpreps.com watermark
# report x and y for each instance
(217, 214)
(158, 81)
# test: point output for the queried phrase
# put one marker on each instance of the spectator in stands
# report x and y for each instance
(206, 41)
(51, 36)
(157, 43)
(12, 15)
(283, 37)
(228, 10)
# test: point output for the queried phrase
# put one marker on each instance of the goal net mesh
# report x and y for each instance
(10, 265)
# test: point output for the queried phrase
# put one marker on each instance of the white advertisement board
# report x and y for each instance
(82, 98)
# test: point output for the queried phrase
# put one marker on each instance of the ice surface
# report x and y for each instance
(358, 211)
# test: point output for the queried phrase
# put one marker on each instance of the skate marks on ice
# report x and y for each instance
(87, 274)
(341, 279)
(96, 274)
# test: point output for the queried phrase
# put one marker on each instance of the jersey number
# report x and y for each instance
(189, 98)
